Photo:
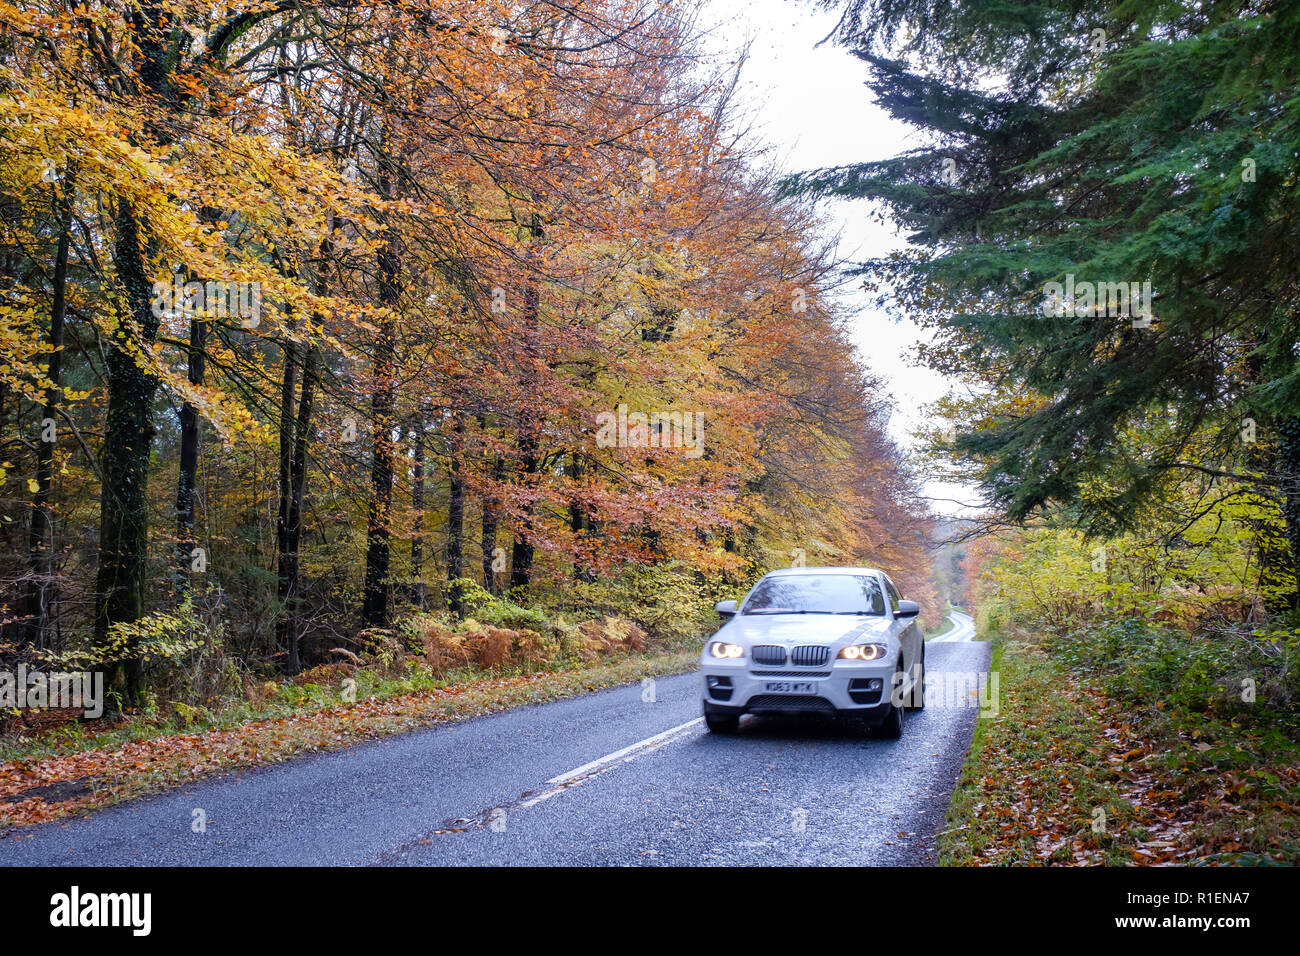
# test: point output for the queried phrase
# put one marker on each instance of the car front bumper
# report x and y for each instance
(862, 689)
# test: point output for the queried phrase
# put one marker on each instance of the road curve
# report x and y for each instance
(626, 776)
(963, 630)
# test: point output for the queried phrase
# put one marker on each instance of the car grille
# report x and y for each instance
(769, 655)
(790, 673)
(810, 655)
(790, 702)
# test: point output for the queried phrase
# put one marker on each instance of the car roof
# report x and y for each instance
(822, 570)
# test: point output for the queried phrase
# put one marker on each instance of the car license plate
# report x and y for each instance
(790, 687)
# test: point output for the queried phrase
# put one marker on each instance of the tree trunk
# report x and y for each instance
(191, 434)
(187, 481)
(128, 427)
(289, 526)
(521, 552)
(128, 435)
(417, 505)
(40, 544)
(286, 633)
(1277, 557)
(521, 558)
(488, 536)
(578, 525)
(1288, 454)
(374, 612)
(456, 527)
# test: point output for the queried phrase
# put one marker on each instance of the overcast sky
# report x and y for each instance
(811, 104)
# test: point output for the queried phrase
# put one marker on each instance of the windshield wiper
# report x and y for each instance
(790, 610)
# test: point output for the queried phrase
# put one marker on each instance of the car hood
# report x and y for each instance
(790, 629)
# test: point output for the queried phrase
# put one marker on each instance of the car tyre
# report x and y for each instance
(891, 728)
(918, 686)
(722, 723)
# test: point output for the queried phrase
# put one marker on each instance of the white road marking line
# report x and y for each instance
(617, 754)
(557, 785)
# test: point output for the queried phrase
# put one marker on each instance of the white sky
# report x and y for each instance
(812, 105)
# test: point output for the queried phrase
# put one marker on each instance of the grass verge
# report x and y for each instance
(47, 779)
(1075, 771)
(947, 625)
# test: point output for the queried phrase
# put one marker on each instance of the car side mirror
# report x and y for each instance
(726, 609)
(907, 609)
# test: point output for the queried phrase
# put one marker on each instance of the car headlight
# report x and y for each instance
(723, 649)
(863, 652)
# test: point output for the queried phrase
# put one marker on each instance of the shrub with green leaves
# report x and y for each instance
(497, 611)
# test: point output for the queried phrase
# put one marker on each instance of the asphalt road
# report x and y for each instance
(963, 630)
(611, 778)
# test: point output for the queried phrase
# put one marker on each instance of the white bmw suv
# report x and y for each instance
(816, 640)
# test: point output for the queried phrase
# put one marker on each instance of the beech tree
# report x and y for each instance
(373, 285)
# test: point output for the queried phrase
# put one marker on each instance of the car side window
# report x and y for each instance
(894, 597)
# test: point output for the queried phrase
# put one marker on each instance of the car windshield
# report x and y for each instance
(816, 594)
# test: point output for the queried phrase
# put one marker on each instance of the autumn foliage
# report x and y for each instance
(310, 313)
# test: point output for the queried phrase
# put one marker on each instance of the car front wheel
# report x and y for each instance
(918, 685)
(892, 727)
(722, 723)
